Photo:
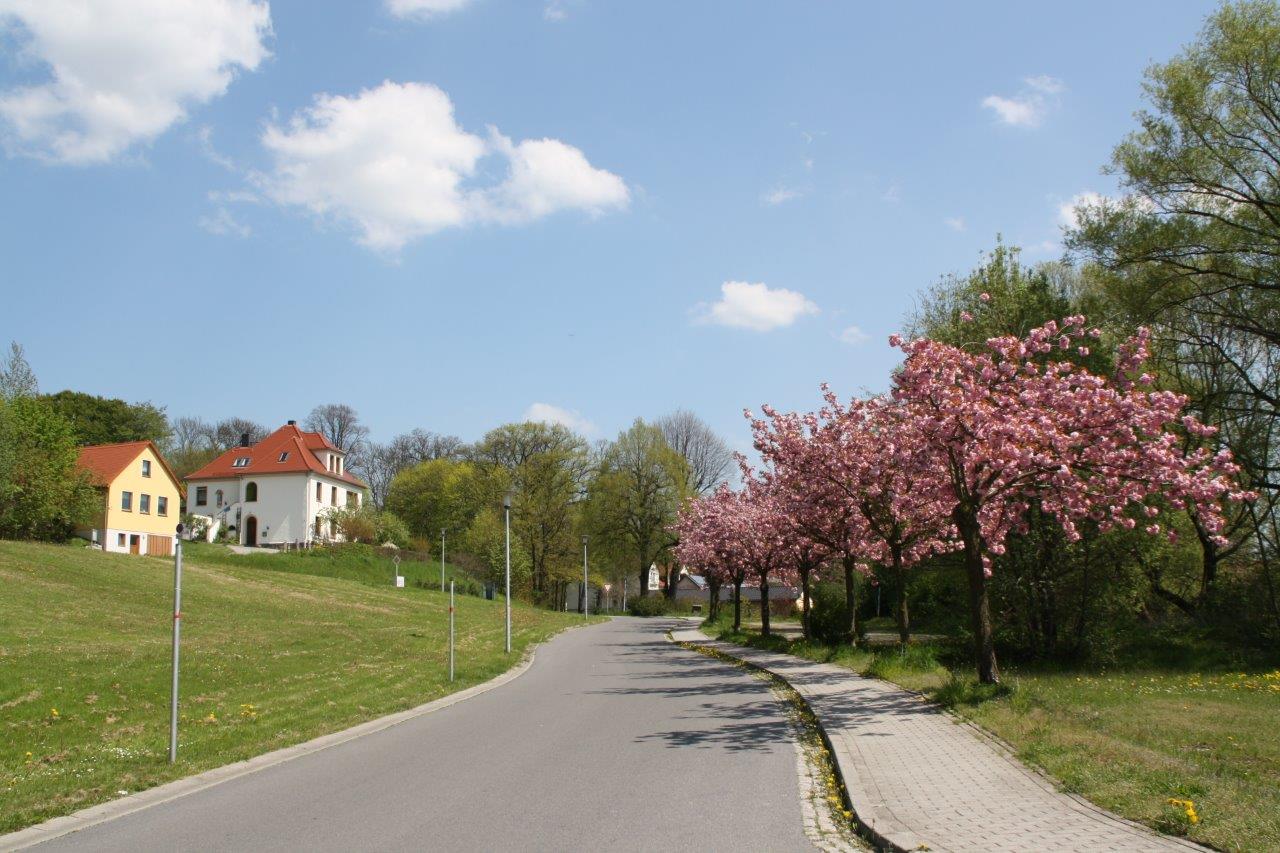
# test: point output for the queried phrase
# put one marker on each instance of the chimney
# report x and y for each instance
(244, 439)
(293, 423)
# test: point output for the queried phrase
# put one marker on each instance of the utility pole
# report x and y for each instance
(177, 640)
(585, 606)
(506, 512)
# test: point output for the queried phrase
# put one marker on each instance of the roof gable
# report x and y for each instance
(105, 462)
(288, 450)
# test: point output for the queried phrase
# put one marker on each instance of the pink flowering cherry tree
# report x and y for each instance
(708, 541)
(1011, 424)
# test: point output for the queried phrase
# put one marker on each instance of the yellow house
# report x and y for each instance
(141, 498)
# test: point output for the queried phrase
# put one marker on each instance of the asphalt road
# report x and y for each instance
(615, 739)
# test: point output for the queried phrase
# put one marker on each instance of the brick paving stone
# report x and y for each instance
(919, 779)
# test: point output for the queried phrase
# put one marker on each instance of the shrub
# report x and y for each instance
(828, 617)
(649, 605)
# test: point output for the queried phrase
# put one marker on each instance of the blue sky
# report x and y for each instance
(456, 213)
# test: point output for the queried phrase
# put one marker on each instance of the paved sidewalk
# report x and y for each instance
(920, 780)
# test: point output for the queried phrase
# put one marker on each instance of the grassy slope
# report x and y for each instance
(1127, 739)
(270, 658)
(358, 563)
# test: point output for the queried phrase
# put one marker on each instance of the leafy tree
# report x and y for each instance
(368, 524)
(17, 379)
(43, 495)
(546, 466)
(439, 494)
(634, 495)
(1193, 250)
(104, 420)
(378, 464)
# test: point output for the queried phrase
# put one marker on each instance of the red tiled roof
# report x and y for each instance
(104, 462)
(264, 458)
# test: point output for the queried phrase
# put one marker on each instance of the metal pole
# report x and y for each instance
(177, 639)
(451, 630)
(442, 559)
(585, 607)
(624, 593)
(506, 506)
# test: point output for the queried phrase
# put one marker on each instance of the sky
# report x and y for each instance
(452, 214)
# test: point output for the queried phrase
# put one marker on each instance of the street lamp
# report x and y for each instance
(506, 515)
(585, 608)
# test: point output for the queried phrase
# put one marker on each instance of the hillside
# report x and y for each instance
(270, 658)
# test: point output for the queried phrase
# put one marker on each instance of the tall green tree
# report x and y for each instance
(43, 495)
(439, 494)
(104, 420)
(546, 468)
(1193, 250)
(634, 495)
(16, 377)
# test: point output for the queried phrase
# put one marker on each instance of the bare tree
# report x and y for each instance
(339, 423)
(227, 433)
(708, 458)
(188, 434)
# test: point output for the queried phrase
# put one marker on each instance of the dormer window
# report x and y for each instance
(241, 462)
(284, 457)
(146, 467)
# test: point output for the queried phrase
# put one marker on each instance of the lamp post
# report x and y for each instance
(506, 518)
(442, 559)
(585, 607)
(177, 642)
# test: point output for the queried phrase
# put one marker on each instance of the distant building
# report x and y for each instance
(140, 498)
(275, 492)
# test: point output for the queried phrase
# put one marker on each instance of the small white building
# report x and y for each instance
(276, 491)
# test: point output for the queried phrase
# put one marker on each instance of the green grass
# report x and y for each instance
(361, 563)
(270, 658)
(1175, 725)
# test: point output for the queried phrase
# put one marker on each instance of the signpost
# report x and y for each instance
(399, 580)
(177, 638)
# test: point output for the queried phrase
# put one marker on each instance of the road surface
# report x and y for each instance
(615, 739)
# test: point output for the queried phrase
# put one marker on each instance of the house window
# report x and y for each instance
(284, 457)
(144, 504)
(146, 467)
(217, 498)
(126, 501)
(241, 462)
(162, 505)
(120, 539)
(353, 499)
(333, 496)
(202, 495)
(318, 522)
(251, 492)
(319, 493)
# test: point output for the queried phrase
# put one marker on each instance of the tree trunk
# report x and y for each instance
(713, 599)
(644, 581)
(850, 601)
(764, 606)
(979, 608)
(904, 618)
(737, 605)
(804, 601)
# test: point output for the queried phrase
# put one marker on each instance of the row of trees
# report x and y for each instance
(955, 457)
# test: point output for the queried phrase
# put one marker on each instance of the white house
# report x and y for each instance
(276, 491)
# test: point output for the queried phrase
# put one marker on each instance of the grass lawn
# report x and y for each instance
(270, 658)
(351, 562)
(1128, 738)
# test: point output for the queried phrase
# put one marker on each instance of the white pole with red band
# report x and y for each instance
(177, 638)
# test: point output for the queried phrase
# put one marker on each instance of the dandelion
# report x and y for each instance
(1188, 807)
(53, 712)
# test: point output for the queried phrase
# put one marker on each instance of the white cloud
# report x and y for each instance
(892, 194)
(1067, 216)
(424, 9)
(853, 336)
(393, 162)
(955, 223)
(755, 306)
(571, 418)
(121, 72)
(555, 10)
(222, 223)
(1029, 107)
(778, 195)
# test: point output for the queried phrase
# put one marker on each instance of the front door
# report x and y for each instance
(251, 530)
(135, 544)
